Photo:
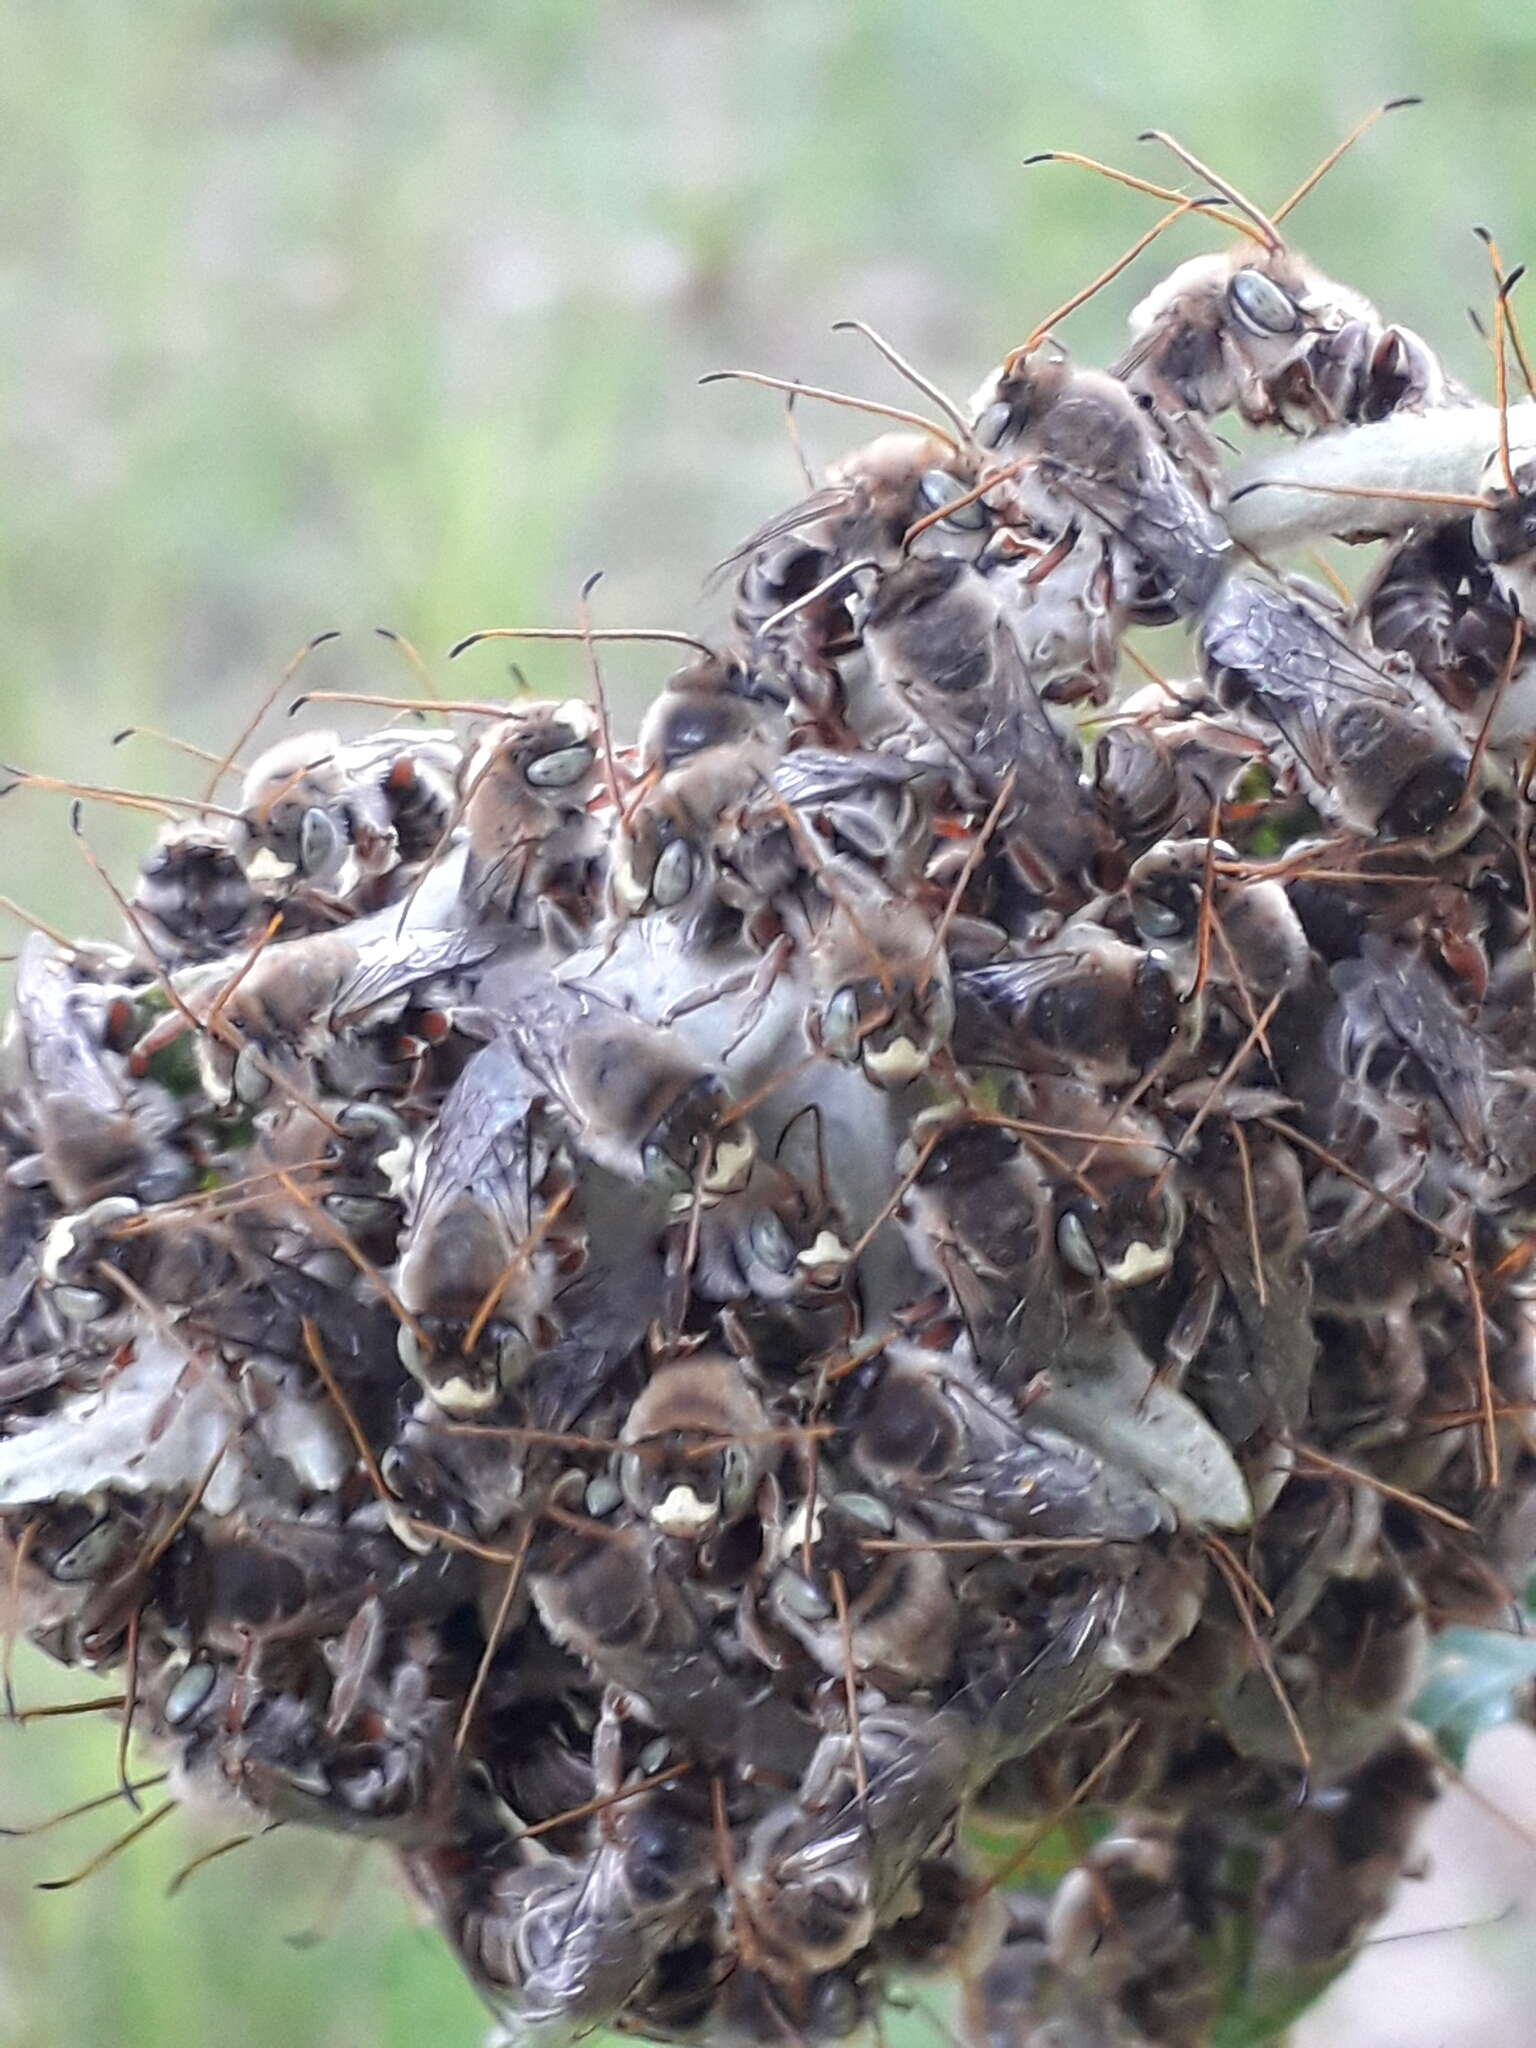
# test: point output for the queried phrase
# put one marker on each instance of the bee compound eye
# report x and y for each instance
(88, 1554)
(771, 1242)
(1075, 1245)
(1260, 305)
(514, 1358)
(252, 1082)
(673, 876)
(561, 769)
(993, 423)
(191, 1692)
(738, 1474)
(1155, 918)
(320, 843)
(802, 1597)
(79, 1304)
(937, 488)
(840, 1026)
(662, 1171)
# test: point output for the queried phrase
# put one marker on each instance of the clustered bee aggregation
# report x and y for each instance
(669, 1330)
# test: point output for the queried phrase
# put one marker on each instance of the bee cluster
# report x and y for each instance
(670, 1330)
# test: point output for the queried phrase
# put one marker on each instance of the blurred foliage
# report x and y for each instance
(1478, 1678)
(347, 312)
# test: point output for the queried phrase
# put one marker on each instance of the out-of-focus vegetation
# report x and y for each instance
(342, 313)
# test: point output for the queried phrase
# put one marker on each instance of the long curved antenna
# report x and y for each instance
(266, 704)
(844, 398)
(1466, 500)
(1360, 128)
(127, 799)
(169, 739)
(475, 709)
(1501, 385)
(1079, 298)
(914, 376)
(599, 694)
(1505, 284)
(1135, 184)
(1261, 220)
(663, 634)
(411, 657)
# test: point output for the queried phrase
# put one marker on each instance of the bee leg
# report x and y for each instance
(608, 1759)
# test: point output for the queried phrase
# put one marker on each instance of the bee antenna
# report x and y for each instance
(167, 739)
(294, 664)
(600, 695)
(102, 1799)
(1505, 285)
(474, 709)
(1129, 179)
(125, 799)
(1261, 220)
(664, 635)
(494, 1634)
(1079, 298)
(1360, 128)
(411, 656)
(99, 1862)
(843, 398)
(48, 931)
(914, 376)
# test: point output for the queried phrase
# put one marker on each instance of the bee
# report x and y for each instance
(300, 996)
(696, 1447)
(193, 899)
(558, 1946)
(685, 850)
(99, 1130)
(825, 1870)
(1244, 1334)
(940, 645)
(364, 1751)
(1159, 772)
(716, 701)
(227, 1580)
(637, 1105)
(361, 1166)
(1375, 752)
(1397, 1033)
(1260, 330)
(979, 1216)
(1504, 534)
(775, 1257)
(871, 806)
(1258, 949)
(1435, 600)
(605, 1592)
(880, 978)
(887, 1615)
(333, 813)
(524, 792)
(1351, 1669)
(1090, 445)
(487, 1235)
(1087, 1005)
(1328, 1876)
(930, 1433)
(794, 600)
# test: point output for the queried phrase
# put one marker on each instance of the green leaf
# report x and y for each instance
(1477, 1677)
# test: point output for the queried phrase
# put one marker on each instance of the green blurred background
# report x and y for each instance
(323, 313)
